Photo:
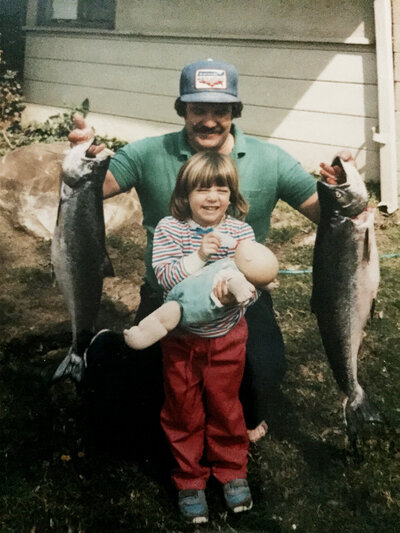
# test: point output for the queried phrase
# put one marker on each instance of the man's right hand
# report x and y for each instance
(83, 133)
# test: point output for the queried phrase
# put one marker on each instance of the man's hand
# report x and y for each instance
(334, 175)
(209, 245)
(83, 133)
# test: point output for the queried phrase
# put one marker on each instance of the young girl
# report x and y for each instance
(203, 364)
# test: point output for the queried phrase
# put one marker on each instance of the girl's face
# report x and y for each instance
(208, 205)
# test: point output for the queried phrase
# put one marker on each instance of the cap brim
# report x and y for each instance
(212, 97)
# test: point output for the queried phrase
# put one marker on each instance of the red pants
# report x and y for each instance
(202, 415)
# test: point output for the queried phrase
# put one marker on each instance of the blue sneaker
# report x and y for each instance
(193, 506)
(237, 495)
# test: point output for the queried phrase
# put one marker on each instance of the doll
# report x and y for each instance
(193, 300)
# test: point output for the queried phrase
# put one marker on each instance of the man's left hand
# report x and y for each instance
(334, 175)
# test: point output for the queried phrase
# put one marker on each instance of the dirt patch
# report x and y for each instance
(31, 303)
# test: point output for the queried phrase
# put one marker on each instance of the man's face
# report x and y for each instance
(208, 125)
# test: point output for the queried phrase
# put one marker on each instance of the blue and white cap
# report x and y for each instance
(209, 81)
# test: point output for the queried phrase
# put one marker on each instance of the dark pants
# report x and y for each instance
(265, 362)
(124, 387)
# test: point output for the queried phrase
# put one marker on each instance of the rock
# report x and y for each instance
(29, 190)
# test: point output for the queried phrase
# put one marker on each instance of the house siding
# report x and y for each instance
(311, 93)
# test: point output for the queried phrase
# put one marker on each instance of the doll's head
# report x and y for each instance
(258, 264)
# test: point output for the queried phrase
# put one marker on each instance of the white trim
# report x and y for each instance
(386, 137)
(104, 32)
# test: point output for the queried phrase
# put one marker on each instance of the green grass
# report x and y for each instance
(303, 474)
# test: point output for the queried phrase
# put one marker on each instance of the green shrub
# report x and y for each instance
(57, 128)
(11, 100)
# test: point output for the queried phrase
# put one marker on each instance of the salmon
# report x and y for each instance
(78, 252)
(345, 285)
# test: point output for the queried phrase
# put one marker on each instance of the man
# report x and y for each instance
(208, 103)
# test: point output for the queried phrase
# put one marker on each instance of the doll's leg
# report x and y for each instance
(154, 327)
(257, 433)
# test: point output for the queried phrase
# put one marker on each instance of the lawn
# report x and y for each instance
(54, 477)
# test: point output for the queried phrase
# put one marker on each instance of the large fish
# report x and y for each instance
(78, 252)
(345, 284)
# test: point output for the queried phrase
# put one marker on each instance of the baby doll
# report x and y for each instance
(193, 301)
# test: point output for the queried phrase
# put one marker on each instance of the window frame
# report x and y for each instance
(44, 16)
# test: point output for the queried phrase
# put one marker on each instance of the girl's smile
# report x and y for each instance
(208, 205)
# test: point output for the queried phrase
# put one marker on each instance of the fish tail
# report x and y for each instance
(72, 366)
(107, 268)
(360, 415)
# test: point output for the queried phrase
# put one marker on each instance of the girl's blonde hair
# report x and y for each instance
(204, 170)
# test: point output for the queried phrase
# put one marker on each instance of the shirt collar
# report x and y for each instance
(183, 145)
(239, 149)
(193, 225)
(227, 239)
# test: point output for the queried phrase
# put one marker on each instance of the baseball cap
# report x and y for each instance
(209, 81)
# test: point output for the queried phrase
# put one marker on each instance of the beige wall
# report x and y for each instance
(292, 20)
(307, 74)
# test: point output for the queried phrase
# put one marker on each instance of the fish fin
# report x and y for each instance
(367, 247)
(107, 268)
(361, 416)
(72, 366)
(372, 310)
(52, 274)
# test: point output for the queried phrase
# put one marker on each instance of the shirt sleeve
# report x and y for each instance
(126, 166)
(245, 233)
(168, 259)
(295, 184)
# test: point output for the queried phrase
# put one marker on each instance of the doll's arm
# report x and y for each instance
(241, 289)
(236, 284)
(154, 327)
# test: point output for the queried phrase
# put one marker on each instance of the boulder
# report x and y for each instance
(29, 190)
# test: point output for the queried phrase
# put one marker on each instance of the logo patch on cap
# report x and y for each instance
(210, 78)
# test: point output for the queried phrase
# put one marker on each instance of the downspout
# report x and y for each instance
(386, 106)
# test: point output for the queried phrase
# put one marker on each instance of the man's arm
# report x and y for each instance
(110, 186)
(310, 208)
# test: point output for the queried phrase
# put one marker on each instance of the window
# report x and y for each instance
(77, 13)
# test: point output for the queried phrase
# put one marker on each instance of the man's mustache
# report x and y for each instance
(203, 129)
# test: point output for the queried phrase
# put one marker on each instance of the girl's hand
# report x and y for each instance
(221, 291)
(209, 245)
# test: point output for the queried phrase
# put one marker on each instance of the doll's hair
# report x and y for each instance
(203, 170)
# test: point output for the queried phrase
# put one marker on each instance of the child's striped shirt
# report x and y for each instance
(175, 240)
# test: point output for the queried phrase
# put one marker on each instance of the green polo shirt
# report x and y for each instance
(266, 173)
